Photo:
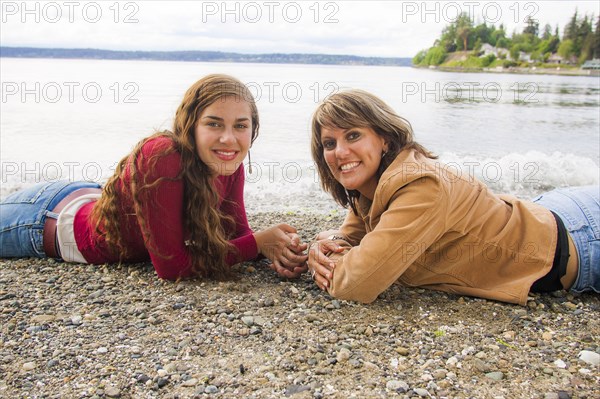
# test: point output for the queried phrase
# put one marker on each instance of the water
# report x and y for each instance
(521, 134)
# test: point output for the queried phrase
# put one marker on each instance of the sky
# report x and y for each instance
(364, 28)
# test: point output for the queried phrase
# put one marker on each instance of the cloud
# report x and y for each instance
(367, 28)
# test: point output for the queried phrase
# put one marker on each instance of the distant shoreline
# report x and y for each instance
(201, 56)
(517, 71)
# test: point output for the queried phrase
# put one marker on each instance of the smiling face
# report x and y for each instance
(353, 156)
(223, 132)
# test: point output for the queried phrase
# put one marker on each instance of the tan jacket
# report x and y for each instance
(432, 228)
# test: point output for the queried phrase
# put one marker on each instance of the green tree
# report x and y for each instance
(418, 59)
(549, 46)
(532, 28)
(597, 39)
(571, 28)
(514, 52)
(448, 39)
(565, 49)
(435, 56)
(503, 43)
(464, 26)
(547, 32)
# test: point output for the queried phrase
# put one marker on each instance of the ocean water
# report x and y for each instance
(520, 134)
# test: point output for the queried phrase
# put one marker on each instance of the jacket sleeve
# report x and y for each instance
(412, 221)
(353, 228)
(242, 236)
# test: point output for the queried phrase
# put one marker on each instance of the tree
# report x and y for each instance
(497, 35)
(565, 49)
(547, 32)
(549, 46)
(532, 28)
(435, 56)
(418, 59)
(448, 39)
(581, 37)
(514, 52)
(597, 39)
(464, 26)
(571, 28)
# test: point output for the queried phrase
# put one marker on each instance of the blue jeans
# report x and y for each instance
(579, 209)
(23, 213)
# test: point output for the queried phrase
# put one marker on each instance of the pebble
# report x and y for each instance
(117, 326)
(162, 382)
(192, 382)
(560, 364)
(402, 351)
(590, 357)
(29, 366)
(397, 385)
(210, 389)
(422, 392)
(343, 355)
(440, 374)
(294, 389)
(43, 319)
(495, 375)
(112, 392)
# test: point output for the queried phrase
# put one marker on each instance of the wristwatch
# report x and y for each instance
(334, 237)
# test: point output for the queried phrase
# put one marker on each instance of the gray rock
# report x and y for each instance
(495, 375)
(590, 357)
(294, 389)
(112, 392)
(397, 385)
(210, 389)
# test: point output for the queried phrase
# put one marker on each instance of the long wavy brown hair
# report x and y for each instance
(357, 108)
(208, 244)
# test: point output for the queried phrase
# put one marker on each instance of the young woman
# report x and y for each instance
(412, 222)
(176, 199)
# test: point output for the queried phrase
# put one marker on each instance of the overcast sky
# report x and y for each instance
(365, 28)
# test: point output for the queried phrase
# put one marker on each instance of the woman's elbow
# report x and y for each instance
(353, 295)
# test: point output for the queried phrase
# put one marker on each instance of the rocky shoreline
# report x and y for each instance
(116, 331)
(518, 70)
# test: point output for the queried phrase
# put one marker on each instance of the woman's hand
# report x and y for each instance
(320, 265)
(282, 246)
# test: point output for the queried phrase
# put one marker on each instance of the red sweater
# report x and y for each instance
(164, 217)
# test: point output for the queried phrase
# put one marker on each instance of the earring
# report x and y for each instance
(249, 163)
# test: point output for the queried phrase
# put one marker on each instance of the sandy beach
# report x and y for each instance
(82, 331)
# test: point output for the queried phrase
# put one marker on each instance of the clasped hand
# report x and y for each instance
(320, 265)
(282, 246)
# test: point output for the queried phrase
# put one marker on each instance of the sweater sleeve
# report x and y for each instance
(233, 205)
(162, 207)
(412, 222)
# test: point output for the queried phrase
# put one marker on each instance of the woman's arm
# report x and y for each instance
(324, 244)
(412, 222)
(280, 243)
(233, 205)
(161, 211)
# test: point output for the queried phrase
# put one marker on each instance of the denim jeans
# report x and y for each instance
(579, 209)
(23, 213)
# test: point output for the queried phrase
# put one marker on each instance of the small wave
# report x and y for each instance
(527, 174)
(294, 186)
